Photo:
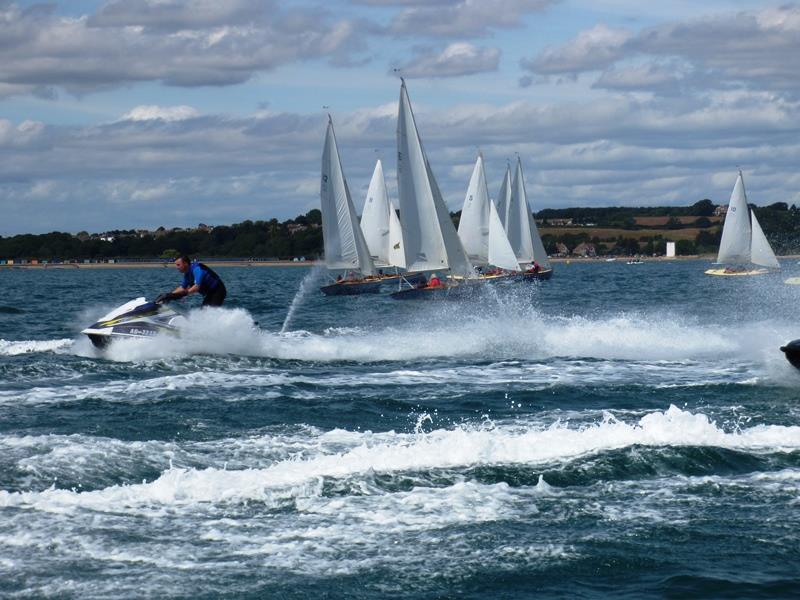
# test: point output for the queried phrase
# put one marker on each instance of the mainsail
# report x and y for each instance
(734, 247)
(520, 226)
(345, 247)
(481, 232)
(375, 217)
(473, 228)
(431, 240)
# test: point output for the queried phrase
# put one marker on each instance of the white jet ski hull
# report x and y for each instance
(138, 318)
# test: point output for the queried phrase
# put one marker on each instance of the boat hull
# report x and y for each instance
(444, 292)
(729, 273)
(792, 353)
(352, 288)
(542, 275)
(412, 278)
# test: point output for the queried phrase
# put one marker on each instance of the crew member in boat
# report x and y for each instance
(434, 281)
(534, 268)
(197, 278)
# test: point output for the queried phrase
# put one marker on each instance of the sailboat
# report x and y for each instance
(743, 241)
(345, 247)
(380, 224)
(382, 230)
(482, 232)
(522, 232)
(430, 238)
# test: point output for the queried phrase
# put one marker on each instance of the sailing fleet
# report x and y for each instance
(495, 240)
(492, 241)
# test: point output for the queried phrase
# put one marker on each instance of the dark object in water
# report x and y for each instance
(352, 288)
(792, 352)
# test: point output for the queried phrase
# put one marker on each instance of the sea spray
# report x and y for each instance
(309, 281)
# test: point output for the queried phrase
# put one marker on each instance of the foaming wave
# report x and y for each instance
(368, 453)
(13, 348)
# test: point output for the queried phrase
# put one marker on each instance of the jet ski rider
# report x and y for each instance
(197, 277)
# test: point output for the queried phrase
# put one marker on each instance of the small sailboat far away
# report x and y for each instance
(431, 240)
(345, 247)
(482, 233)
(382, 230)
(743, 241)
(523, 233)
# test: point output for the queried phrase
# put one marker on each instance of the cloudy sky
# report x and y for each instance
(140, 113)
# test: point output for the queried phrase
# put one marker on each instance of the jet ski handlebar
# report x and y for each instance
(167, 297)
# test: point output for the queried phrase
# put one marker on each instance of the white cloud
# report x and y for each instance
(600, 152)
(593, 49)
(463, 17)
(753, 50)
(455, 60)
(147, 112)
(182, 43)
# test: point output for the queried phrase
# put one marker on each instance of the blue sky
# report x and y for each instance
(140, 113)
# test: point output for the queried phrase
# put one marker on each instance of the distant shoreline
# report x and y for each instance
(158, 265)
(309, 263)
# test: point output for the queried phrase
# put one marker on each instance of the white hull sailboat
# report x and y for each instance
(523, 233)
(430, 238)
(345, 247)
(743, 242)
(481, 231)
(383, 232)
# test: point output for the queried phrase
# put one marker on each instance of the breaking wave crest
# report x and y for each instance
(340, 455)
(13, 348)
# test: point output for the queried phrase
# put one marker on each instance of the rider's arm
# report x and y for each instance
(186, 291)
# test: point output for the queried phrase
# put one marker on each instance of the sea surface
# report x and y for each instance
(626, 431)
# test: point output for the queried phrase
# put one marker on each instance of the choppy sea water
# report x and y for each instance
(621, 430)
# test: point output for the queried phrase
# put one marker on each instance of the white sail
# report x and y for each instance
(473, 228)
(501, 254)
(504, 197)
(760, 251)
(397, 255)
(375, 217)
(430, 238)
(520, 226)
(344, 243)
(734, 247)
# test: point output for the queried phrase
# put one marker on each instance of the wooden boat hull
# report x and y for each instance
(445, 292)
(728, 273)
(352, 288)
(542, 275)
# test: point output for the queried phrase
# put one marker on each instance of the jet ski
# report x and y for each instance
(139, 318)
(792, 352)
